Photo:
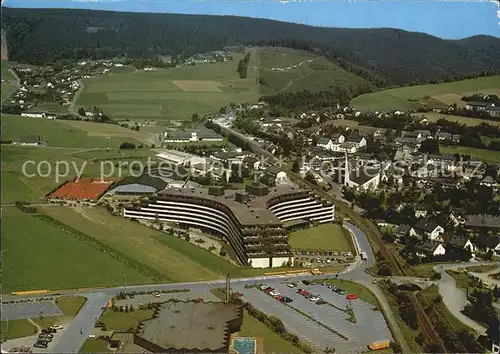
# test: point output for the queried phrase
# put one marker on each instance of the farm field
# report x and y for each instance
(433, 117)
(171, 94)
(290, 70)
(139, 243)
(10, 84)
(425, 95)
(325, 236)
(54, 251)
(489, 156)
(69, 134)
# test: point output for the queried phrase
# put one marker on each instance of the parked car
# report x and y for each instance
(290, 285)
(274, 293)
(155, 294)
(48, 335)
(40, 345)
(287, 299)
(264, 287)
(131, 296)
(56, 327)
(320, 302)
(45, 339)
(268, 289)
(306, 282)
(280, 298)
(314, 298)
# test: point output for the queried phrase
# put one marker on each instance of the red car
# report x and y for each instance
(280, 298)
(268, 289)
(351, 297)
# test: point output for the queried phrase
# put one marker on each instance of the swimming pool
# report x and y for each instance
(244, 345)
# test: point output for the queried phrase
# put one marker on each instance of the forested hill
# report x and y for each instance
(382, 56)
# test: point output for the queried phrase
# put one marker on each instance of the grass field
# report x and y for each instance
(433, 117)
(290, 70)
(69, 134)
(69, 305)
(482, 268)
(363, 292)
(17, 329)
(172, 94)
(273, 343)
(424, 95)
(94, 345)
(54, 259)
(142, 244)
(10, 83)
(325, 236)
(489, 156)
(122, 321)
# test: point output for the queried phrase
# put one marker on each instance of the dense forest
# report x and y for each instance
(384, 56)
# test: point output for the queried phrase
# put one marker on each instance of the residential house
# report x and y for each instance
(30, 140)
(420, 213)
(33, 114)
(486, 242)
(456, 138)
(429, 228)
(356, 139)
(277, 174)
(325, 143)
(431, 248)
(488, 181)
(443, 136)
(425, 134)
(404, 231)
(483, 222)
(476, 105)
(338, 138)
(462, 242)
(411, 134)
(347, 147)
(493, 110)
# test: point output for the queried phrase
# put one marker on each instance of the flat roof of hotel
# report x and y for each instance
(254, 212)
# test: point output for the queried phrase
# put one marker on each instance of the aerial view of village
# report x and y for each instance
(185, 182)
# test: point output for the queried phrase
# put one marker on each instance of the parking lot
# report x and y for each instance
(29, 310)
(327, 319)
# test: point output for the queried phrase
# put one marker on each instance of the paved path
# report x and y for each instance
(454, 298)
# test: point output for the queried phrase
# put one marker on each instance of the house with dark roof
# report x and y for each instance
(483, 222)
(461, 242)
(485, 242)
(488, 181)
(356, 139)
(29, 140)
(443, 136)
(404, 231)
(363, 178)
(429, 228)
(138, 186)
(476, 105)
(431, 248)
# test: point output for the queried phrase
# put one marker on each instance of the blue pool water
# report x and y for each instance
(244, 345)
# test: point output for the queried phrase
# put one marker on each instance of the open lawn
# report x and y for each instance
(94, 345)
(489, 156)
(69, 134)
(121, 321)
(171, 94)
(433, 117)
(17, 329)
(482, 268)
(174, 260)
(351, 287)
(423, 270)
(324, 237)
(69, 305)
(273, 343)
(461, 279)
(414, 97)
(290, 70)
(55, 259)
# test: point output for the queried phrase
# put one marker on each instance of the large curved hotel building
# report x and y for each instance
(254, 222)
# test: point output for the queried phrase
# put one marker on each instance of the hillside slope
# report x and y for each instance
(283, 70)
(382, 56)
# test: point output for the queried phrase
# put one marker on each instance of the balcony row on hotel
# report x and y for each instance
(251, 221)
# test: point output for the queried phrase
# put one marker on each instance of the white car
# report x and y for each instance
(290, 285)
(56, 327)
(274, 293)
(314, 298)
(263, 287)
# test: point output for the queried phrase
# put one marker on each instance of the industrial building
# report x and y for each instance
(143, 185)
(251, 221)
